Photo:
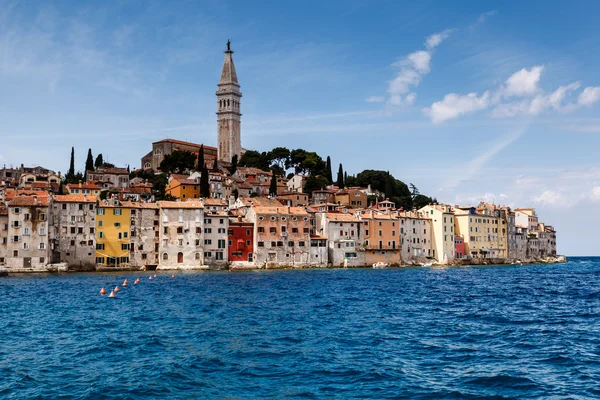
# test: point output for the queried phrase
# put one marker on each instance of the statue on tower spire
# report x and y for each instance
(228, 45)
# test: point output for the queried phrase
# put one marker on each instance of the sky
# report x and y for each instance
(470, 101)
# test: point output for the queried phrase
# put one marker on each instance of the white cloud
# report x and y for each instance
(454, 105)
(595, 196)
(537, 104)
(434, 40)
(589, 96)
(375, 99)
(412, 68)
(482, 18)
(524, 82)
(549, 198)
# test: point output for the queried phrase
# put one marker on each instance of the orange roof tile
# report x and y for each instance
(29, 201)
(75, 198)
(180, 204)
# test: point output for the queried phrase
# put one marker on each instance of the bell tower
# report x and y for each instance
(228, 110)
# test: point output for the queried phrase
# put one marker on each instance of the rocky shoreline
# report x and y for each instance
(64, 268)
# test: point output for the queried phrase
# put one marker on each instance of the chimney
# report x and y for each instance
(80, 183)
(35, 201)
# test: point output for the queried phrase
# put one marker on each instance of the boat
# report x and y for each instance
(379, 265)
(427, 265)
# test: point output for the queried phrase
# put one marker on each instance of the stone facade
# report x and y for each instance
(181, 234)
(216, 224)
(145, 234)
(3, 234)
(113, 177)
(28, 233)
(228, 111)
(345, 238)
(165, 147)
(73, 230)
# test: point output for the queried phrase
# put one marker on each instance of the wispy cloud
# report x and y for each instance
(482, 18)
(411, 69)
(523, 86)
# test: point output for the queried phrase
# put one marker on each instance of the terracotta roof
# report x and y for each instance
(255, 171)
(84, 186)
(75, 198)
(41, 185)
(280, 210)
(184, 143)
(215, 202)
(29, 201)
(12, 193)
(342, 217)
(259, 202)
(180, 204)
(318, 237)
(116, 171)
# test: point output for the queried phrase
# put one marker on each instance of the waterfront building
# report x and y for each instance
(145, 234)
(110, 178)
(319, 251)
(73, 230)
(240, 237)
(459, 247)
(181, 233)
(345, 238)
(28, 232)
(416, 234)
(482, 233)
(216, 224)
(282, 235)
(323, 196)
(3, 234)
(381, 237)
(442, 226)
(526, 218)
(229, 111)
(113, 227)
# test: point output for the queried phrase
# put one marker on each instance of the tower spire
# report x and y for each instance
(228, 110)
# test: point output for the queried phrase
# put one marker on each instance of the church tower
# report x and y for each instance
(228, 110)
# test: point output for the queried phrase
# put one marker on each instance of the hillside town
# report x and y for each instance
(196, 206)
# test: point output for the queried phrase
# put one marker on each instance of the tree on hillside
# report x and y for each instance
(69, 178)
(234, 163)
(328, 173)
(235, 193)
(389, 186)
(340, 177)
(89, 163)
(200, 165)
(273, 185)
(315, 183)
(305, 162)
(204, 183)
(279, 156)
(178, 162)
(421, 201)
(254, 159)
(216, 165)
(99, 161)
(414, 192)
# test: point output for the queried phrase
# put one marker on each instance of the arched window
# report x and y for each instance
(197, 256)
(227, 102)
(158, 152)
(146, 165)
(165, 256)
(180, 258)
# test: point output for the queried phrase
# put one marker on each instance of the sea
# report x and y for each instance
(489, 332)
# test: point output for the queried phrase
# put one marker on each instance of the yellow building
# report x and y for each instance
(382, 237)
(485, 236)
(183, 188)
(112, 233)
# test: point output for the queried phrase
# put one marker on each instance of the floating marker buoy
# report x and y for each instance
(112, 294)
(136, 281)
(150, 277)
(116, 289)
(102, 291)
(172, 276)
(124, 283)
(155, 275)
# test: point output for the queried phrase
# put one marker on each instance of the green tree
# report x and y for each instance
(216, 165)
(89, 163)
(178, 162)
(279, 156)
(204, 183)
(234, 163)
(315, 183)
(99, 161)
(254, 159)
(200, 164)
(273, 185)
(340, 177)
(235, 193)
(60, 189)
(414, 192)
(328, 173)
(71, 172)
(389, 186)
(421, 201)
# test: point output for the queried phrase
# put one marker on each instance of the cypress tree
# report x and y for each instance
(99, 161)
(204, 183)
(201, 159)
(216, 165)
(234, 163)
(389, 186)
(340, 177)
(71, 173)
(89, 163)
(60, 189)
(273, 185)
(329, 173)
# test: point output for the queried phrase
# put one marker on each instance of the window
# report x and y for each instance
(221, 244)
(207, 254)
(260, 244)
(219, 255)
(118, 211)
(17, 210)
(247, 232)
(99, 246)
(207, 241)
(305, 230)
(221, 230)
(291, 244)
(221, 221)
(100, 223)
(125, 247)
(207, 230)
(15, 253)
(101, 235)
(180, 229)
(300, 244)
(261, 229)
(117, 224)
(207, 220)
(165, 256)
(120, 235)
(272, 230)
(99, 260)
(42, 246)
(80, 230)
(279, 244)
(273, 244)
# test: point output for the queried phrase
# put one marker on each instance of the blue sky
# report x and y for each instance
(469, 101)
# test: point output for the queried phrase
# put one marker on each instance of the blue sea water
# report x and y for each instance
(528, 331)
